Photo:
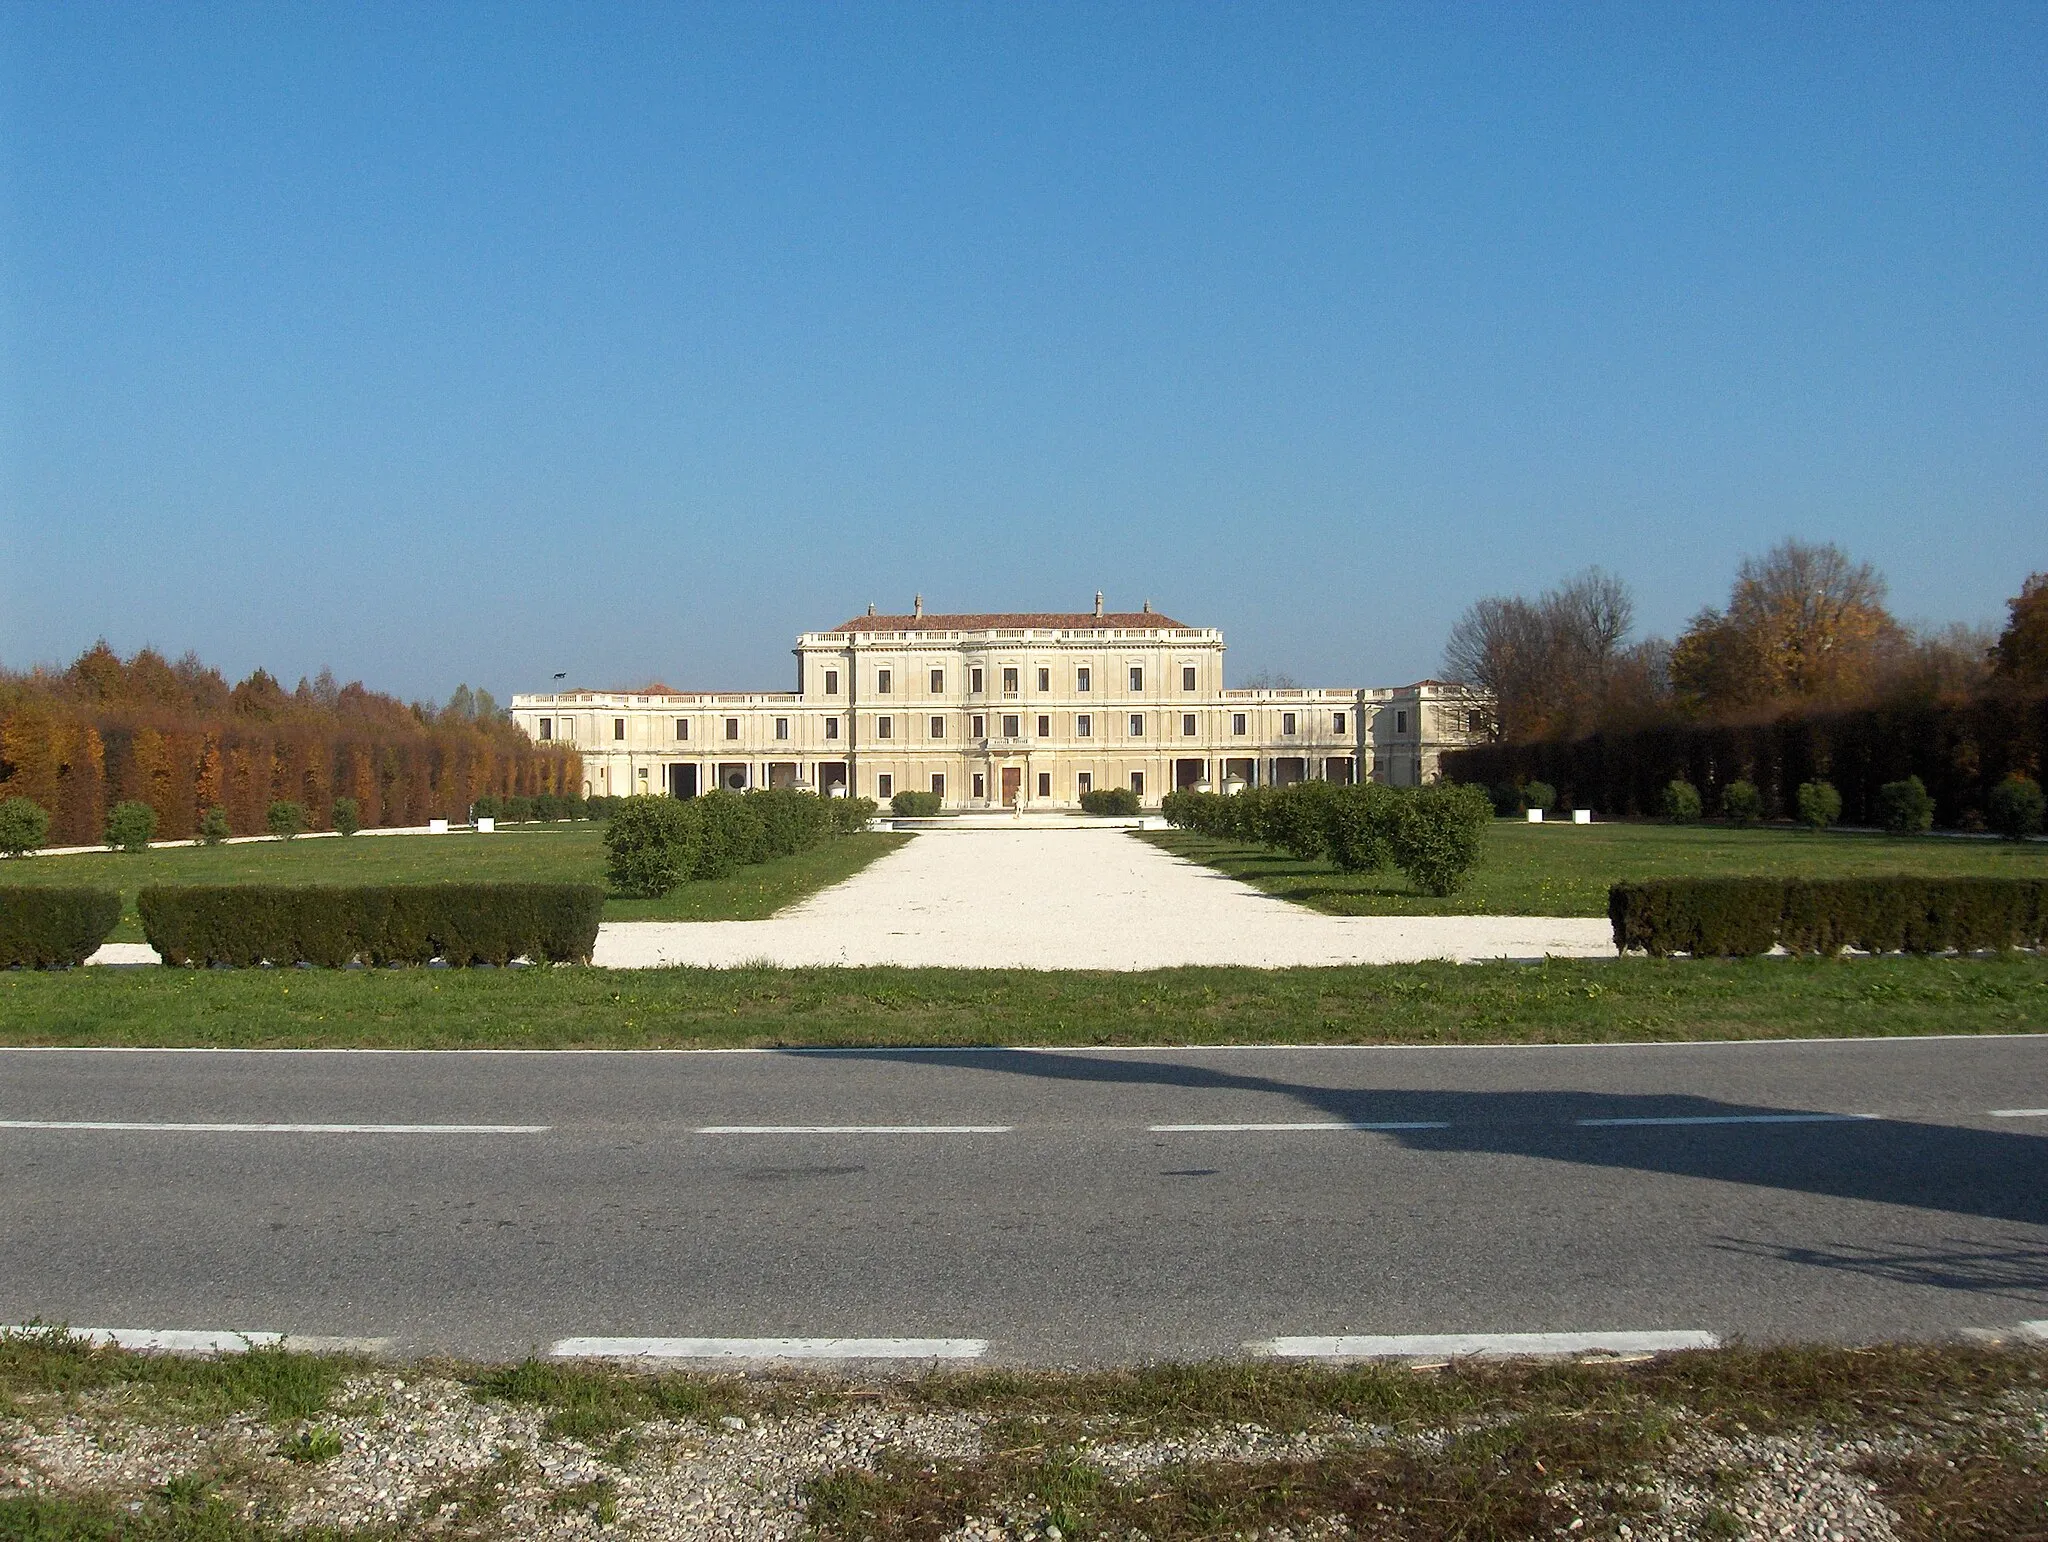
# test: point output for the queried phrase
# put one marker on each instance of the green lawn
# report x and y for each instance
(1603, 1000)
(559, 853)
(1557, 869)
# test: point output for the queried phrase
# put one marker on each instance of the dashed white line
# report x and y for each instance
(2019, 1113)
(1431, 1346)
(274, 1129)
(1319, 1124)
(1610, 1124)
(768, 1349)
(855, 1129)
(207, 1341)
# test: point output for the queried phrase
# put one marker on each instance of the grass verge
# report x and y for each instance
(565, 853)
(1596, 1000)
(1566, 870)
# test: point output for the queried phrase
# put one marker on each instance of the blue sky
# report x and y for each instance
(476, 342)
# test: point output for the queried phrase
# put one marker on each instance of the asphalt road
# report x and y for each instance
(1048, 1217)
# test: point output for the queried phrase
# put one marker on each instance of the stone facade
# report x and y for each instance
(1005, 710)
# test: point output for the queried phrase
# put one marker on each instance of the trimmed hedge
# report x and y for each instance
(49, 928)
(1433, 834)
(916, 805)
(242, 925)
(1117, 801)
(1742, 917)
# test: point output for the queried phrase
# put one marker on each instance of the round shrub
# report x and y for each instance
(1741, 802)
(285, 819)
(1905, 808)
(1360, 825)
(131, 826)
(1118, 801)
(486, 807)
(1819, 804)
(734, 835)
(519, 810)
(25, 825)
(1539, 795)
(348, 816)
(1437, 839)
(213, 826)
(2015, 808)
(651, 845)
(916, 805)
(1682, 801)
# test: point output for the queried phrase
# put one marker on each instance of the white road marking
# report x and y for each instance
(1608, 1124)
(2019, 1113)
(855, 1129)
(1320, 1124)
(202, 1341)
(769, 1349)
(2036, 1329)
(1432, 1346)
(276, 1129)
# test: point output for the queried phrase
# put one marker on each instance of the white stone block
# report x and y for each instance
(437, 827)
(1582, 816)
(1535, 816)
(486, 825)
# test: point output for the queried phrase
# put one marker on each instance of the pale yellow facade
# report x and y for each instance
(993, 711)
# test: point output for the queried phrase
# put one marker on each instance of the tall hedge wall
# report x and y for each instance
(50, 928)
(1961, 751)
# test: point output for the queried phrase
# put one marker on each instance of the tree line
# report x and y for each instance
(178, 737)
(1805, 629)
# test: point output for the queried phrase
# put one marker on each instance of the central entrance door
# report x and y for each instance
(1013, 779)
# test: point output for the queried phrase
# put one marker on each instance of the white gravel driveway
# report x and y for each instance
(1074, 898)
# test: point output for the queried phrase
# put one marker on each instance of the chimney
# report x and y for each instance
(1098, 604)
(1148, 607)
(917, 607)
(871, 607)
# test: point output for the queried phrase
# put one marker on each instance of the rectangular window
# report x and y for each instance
(1085, 782)
(1009, 682)
(1045, 679)
(1084, 726)
(682, 729)
(1336, 722)
(1011, 725)
(1137, 678)
(885, 784)
(1044, 726)
(732, 728)
(618, 728)
(980, 727)
(1237, 722)
(1187, 725)
(1137, 725)
(938, 682)
(881, 682)
(547, 728)
(1287, 722)
(1045, 784)
(980, 787)
(885, 727)
(1400, 722)
(568, 726)
(1138, 783)
(1475, 723)
(1187, 677)
(782, 728)
(831, 682)
(938, 784)
(974, 686)
(831, 727)
(938, 727)
(1081, 678)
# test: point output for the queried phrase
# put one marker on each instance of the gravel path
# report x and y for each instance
(1075, 899)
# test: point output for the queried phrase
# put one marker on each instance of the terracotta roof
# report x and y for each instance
(1009, 621)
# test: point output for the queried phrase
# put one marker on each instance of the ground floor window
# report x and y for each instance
(1138, 783)
(1045, 784)
(1085, 782)
(938, 784)
(885, 786)
(980, 787)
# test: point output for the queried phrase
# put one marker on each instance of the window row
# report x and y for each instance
(1012, 726)
(1084, 783)
(1084, 680)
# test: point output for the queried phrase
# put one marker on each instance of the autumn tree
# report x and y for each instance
(1549, 663)
(2021, 655)
(1804, 622)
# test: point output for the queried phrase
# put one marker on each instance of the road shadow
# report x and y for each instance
(2015, 1269)
(1999, 1175)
